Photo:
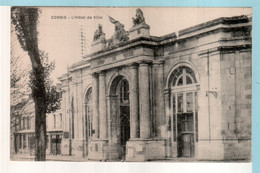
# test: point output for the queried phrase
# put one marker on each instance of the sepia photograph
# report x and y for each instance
(131, 84)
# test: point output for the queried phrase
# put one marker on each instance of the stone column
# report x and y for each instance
(22, 141)
(167, 133)
(160, 111)
(27, 140)
(49, 143)
(144, 96)
(102, 105)
(134, 101)
(95, 97)
(167, 110)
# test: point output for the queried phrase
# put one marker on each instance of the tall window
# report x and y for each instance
(60, 119)
(20, 140)
(23, 123)
(24, 141)
(54, 121)
(184, 110)
(28, 122)
(184, 101)
(20, 123)
(124, 92)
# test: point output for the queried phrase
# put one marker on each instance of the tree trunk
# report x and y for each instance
(39, 96)
(40, 130)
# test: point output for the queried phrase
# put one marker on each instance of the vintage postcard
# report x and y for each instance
(131, 84)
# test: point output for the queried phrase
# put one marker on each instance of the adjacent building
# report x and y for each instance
(23, 130)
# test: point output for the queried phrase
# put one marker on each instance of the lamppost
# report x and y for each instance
(70, 140)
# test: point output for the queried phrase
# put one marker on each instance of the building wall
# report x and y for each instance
(237, 93)
(221, 60)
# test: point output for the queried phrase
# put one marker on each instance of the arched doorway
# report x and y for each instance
(184, 110)
(120, 113)
(88, 118)
(124, 115)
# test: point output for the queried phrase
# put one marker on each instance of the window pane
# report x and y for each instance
(190, 72)
(180, 102)
(174, 118)
(60, 120)
(173, 104)
(20, 141)
(24, 141)
(28, 123)
(189, 100)
(196, 122)
(188, 80)
(196, 101)
(190, 122)
(180, 82)
(174, 80)
(124, 91)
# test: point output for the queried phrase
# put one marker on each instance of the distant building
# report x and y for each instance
(23, 134)
(54, 133)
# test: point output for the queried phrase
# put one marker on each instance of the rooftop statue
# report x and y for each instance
(139, 17)
(120, 34)
(98, 33)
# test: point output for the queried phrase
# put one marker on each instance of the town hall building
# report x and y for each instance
(138, 97)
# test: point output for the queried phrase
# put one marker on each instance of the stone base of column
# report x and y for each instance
(76, 148)
(174, 150)
(65, 147)
(237, 149)
(209, 150)
(98, 150)
(139, 150)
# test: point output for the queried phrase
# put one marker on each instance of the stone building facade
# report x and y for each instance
(22, 134)
(139, 97)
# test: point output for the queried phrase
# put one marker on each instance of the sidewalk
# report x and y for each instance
(27, 157)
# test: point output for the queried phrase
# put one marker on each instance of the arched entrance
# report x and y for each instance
(88, 118)
(184, 110)
(124, 115)
(120, 113)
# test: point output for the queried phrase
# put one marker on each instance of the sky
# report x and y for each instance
(59, 27)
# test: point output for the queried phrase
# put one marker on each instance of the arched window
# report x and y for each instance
(182, 76)
(184, 110)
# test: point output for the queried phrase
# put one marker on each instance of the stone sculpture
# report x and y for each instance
(120, 34)
(98, 33)
(139, 17)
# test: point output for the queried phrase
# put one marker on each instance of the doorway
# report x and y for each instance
(124, 128)
(124, 115)
(185, 139)
(56, 144)
(119, 110)
(184, 111)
